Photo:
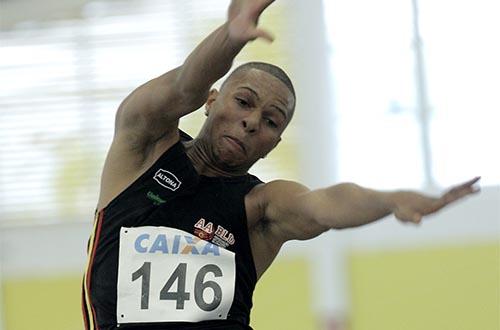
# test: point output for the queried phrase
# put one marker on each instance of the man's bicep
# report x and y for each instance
(290, 208)
(155, 107)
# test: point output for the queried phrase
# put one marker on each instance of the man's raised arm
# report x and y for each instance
(213, 58)
(155, 107)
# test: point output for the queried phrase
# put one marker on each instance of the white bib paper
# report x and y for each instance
(169, 275)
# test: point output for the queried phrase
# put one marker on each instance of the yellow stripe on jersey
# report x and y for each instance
(90, 256)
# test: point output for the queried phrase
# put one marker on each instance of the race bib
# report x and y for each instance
(169, 275)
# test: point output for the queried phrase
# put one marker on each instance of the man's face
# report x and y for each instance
(246, 119)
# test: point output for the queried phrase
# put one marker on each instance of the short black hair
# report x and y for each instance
(266, 67)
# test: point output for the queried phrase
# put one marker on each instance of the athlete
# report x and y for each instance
(182, 232)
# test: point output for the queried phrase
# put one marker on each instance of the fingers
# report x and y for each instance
(460, 191)
(263, 5)
(244, 16)
(467, 185)
(250, 8)
(260, 33)
(254, 8)
(456, 193)
(423, 205)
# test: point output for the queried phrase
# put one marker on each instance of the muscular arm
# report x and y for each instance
(152, 110)
(298, 213)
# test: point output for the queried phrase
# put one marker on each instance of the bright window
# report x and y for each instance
(378, 126)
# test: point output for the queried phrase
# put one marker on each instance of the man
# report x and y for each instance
(182, 231)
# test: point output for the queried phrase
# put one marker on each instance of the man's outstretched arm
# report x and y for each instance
(156, 106)
(299, 213)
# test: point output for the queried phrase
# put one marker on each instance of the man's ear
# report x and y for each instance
(212, 96)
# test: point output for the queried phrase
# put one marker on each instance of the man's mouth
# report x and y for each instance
(237, 143)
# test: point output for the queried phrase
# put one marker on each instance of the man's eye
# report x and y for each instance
(271, 123)
(241, 102)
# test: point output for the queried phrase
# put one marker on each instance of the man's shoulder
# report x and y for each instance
(272, 194)
(277, 188)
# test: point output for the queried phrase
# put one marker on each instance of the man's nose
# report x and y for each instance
(251, 123)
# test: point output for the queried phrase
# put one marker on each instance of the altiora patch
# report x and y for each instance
(167, 179)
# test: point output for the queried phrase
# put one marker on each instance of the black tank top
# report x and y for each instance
(171, 194)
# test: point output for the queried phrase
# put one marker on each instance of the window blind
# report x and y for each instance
(62, 82)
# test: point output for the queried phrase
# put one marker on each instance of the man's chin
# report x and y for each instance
(234, 163)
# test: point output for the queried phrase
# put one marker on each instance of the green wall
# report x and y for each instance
(282, 298)
(453, 288)
(43, 303)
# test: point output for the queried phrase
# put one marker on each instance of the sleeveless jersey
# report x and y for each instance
(172, 251)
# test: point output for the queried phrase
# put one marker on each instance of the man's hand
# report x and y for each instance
(243, 17)
(412, 206)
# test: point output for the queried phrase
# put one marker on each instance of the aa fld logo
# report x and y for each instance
(167, 179)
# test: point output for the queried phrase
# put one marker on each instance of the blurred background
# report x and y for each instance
(391, 94)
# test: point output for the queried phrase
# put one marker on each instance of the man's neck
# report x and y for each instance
(203, 160)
